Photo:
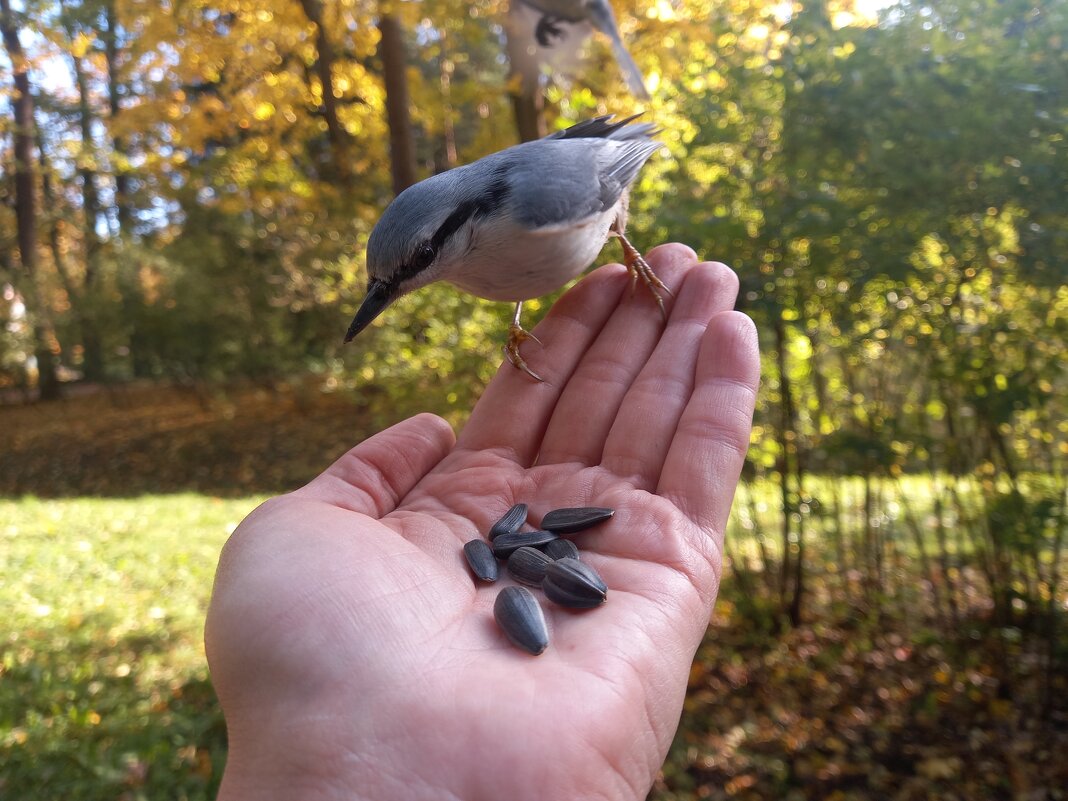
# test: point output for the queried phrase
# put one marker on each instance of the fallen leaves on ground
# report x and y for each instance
(134, 439)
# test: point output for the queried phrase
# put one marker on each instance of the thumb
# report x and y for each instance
(373, 477)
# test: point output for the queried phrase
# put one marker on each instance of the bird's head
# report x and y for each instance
(423, 234)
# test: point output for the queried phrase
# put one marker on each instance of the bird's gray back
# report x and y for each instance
(554, 181)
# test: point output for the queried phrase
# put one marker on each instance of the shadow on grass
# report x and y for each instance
(86, 714)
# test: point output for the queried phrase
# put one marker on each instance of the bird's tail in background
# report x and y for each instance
(631, 74)
(600, 14)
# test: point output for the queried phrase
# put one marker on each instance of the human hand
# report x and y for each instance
(354, 655)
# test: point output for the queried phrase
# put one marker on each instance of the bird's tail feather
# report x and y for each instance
(631, 74)
(600, 14)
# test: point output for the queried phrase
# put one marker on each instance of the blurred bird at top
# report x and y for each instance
(564, 25)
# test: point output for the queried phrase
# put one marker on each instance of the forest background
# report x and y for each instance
(186, 191)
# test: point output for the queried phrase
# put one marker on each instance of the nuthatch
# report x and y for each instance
(515, 225)
(599, 14)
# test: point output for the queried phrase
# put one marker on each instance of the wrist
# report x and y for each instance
(319, 759)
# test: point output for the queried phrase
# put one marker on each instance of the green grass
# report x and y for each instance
(104, 688)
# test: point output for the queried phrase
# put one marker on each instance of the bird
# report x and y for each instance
(514, 225)
(597, 13)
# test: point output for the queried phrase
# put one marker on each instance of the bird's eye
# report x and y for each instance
(424, 254)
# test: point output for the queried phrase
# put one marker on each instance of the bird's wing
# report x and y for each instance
(584, 181)
(626, 161)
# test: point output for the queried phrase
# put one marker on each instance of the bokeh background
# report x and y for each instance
(889, 180)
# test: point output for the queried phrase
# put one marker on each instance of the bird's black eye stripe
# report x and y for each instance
(482, 206)
(421, 259)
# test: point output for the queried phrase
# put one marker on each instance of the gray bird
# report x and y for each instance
(599, 14)
(515, 225)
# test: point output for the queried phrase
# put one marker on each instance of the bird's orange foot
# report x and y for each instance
(517, 335)
(638, 267)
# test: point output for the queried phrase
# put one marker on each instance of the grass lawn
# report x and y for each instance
(104, 689)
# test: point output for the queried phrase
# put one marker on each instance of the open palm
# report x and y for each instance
(354, 655)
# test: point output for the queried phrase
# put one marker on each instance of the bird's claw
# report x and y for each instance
(547, 29)
(516, 336)
(638, 267)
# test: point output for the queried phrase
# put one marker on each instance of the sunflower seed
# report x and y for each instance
(560, 549)
(480, 559)
(570, 582)
(506, 544)
(568, 521)
(517, 612)
(513, 519)
(527, 565)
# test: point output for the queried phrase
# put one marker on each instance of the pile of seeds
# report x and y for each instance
(538, 558)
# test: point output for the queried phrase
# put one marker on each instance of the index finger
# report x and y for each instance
(513, 412)
(706, 454)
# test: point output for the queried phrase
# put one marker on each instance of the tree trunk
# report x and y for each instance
(819, 383)
(789, 465)
(118, 145)
(448, 128)
(26, 205)
(324, 67)
(871, 553)
(921, 548)
(525, 91)
(1050, 629)
(528, 118)
(758, 532)
(93, 355)
(945, 562)
(129, 291)
(838, 531)
(53, 222)
(395, 73)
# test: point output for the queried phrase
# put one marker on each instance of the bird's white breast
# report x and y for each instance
(510, 263)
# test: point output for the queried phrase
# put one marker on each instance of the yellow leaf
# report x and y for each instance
(80, 46)
(940, 768)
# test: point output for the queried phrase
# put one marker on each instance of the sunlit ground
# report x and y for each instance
(104, 684)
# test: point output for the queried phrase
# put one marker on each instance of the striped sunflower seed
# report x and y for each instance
(527, 565)
(506, 544)
(480, 559)
(517, 612)
(568, 521)
(570, 582)
(512, 521)
(560, 549)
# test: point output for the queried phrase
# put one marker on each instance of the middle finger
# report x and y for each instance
(589, 403)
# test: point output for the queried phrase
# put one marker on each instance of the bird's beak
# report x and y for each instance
(379, 295)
